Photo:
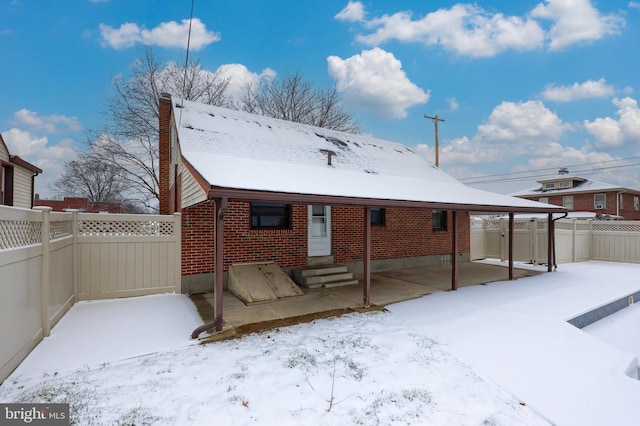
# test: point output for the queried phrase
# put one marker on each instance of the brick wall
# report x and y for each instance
(585, 203)
(407, 233)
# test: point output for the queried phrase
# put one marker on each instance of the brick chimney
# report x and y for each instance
(164, 152)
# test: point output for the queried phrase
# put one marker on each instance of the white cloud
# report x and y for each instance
(353, 12)
(46, 123)
(374, 80)
(464, 28)
(634, 5)
(588, 89)
(512, 130)
(239, 77)
(611, 133)
(167, 34)
(470, 30)
(453, 104)
(522, 123)
(40, 152)
(576, 21)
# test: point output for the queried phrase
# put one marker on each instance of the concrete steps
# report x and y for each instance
(327, 275)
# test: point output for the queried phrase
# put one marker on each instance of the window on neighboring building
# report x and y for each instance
(270, 215)
(600, 201)
(636, 203)
(567, 202)
(544, 200)
(549, 185)
(377, 216)
(6, 185)
(621, 204)
(439, 220)
(565, 184)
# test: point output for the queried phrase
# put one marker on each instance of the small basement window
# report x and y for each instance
(270, 215)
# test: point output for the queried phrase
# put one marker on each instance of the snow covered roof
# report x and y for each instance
(582, 185)
(239, 150)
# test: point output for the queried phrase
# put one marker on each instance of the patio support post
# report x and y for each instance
(221, 208)
(550, 243)
(366, 285)
(511, 220)
(454, 250)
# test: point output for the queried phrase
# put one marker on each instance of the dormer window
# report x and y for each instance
(550, 185)
(565, 184)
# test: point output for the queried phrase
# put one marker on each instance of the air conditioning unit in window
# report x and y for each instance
(599, 206)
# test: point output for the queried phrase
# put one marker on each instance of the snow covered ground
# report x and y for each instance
(500, 354)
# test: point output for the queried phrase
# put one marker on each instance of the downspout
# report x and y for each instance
(553, 238)
(221, 208)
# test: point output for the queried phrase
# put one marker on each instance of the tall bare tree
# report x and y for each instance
(293, 98)
(130, 141)
(89, 177)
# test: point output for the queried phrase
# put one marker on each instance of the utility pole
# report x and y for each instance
(435, 120)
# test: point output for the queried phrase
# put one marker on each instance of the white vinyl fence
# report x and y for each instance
(49, 260)
(575, 240)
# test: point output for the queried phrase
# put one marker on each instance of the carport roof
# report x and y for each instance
(247, 156)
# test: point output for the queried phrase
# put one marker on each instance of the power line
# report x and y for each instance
(186, 62)
(537, 173)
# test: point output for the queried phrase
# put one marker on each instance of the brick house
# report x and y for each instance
(79, 203)
(579, 194)
(17, 179)
(252, 188)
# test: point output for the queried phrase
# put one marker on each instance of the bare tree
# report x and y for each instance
(130, 141)
(89, 177)
(295, 99)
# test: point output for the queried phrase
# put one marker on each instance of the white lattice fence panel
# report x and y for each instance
(132, 228)
(60, 229)
(626, 227)
(19, 233)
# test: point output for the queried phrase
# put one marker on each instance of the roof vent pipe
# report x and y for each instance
(563, 171)
(329, 155)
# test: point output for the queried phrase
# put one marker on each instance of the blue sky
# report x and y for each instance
(523, 86)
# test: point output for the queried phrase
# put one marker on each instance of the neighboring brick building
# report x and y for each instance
(264, 189)
(17, 179)
(580, 194)
(79, 203)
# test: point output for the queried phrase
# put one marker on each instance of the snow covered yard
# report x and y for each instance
(500, 354)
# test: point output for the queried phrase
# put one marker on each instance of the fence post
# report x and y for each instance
(575, 229)
(177, 234)
(45, 281)
(75, 260)
(533, 234)
(591, 247)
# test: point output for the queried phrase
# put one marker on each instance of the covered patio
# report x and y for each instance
(387, 287)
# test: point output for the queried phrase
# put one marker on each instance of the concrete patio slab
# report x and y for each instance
(386, 287)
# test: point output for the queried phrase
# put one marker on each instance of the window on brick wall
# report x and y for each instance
(270, 215)
(567, 202)
(377, 216)
(621, 196)
(544, 200)
(636, 203)
(439, 220)
(600, 201)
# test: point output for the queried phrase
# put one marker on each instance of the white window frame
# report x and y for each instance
(543, 200)
(600, 205)
(621, 201)
(567, 202)
(636, 202)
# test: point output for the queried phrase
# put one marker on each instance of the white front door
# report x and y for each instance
(319, 230)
